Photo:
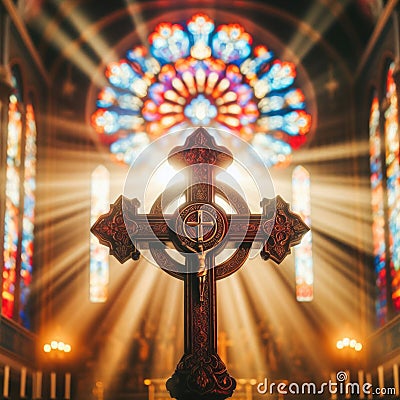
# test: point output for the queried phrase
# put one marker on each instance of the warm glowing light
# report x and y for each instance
(67, 348)
(57, 346)
(147, 382)
(349, 343)
(60, 346)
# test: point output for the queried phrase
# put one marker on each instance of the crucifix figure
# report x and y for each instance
(200, 229)
(199, 223)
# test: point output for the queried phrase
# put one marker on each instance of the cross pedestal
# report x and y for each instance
(200, 230)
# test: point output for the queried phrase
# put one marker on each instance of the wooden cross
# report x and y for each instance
(200, 229)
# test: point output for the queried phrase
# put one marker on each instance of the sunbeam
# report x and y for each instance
(321, 22)
(61, 41)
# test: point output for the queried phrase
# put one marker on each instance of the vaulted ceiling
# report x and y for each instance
(90, 31)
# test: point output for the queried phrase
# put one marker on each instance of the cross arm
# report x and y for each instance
(287, 231)
(116, 228)
(111, 231)
(277, 228)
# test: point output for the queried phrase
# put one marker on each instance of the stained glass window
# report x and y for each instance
(12, 212)
(393, 184)
(20, 211)
(378, 218)
(28, 216)
(99, 258)
(303, 251)
(202, 74)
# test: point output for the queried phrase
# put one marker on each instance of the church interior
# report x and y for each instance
(311, 86)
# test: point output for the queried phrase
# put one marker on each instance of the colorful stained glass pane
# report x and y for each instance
(200, 26)
(202, 74)
(28, 217)
(393, 183)
(128, 149)
(99, 258)
(378, 218)
(169, 42)
(231, 43)
(11, 226)
(303, 251)
(273, 152)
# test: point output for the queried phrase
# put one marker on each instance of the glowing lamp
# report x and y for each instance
(358, 347)
(67, 348)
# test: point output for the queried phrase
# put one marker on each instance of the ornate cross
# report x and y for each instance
(200, 229)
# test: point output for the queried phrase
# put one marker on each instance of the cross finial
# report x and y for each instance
(200, 148)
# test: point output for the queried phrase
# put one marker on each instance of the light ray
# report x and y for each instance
(332, 152)
(79, 21)
(138, 21)
(320, 21)
(73, 53)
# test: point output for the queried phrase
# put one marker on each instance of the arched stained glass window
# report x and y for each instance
(378, 217)
(12, 212)
(29, 214)
(202, 74)
(393, 183)
(20, 210)
(99, 258)
(303, 252)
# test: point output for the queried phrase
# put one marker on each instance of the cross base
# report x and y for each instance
(201, 377)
